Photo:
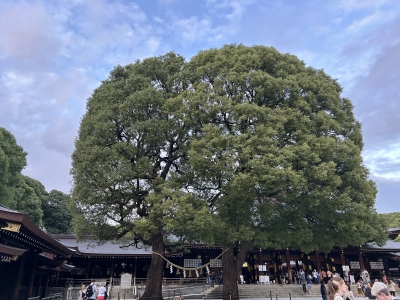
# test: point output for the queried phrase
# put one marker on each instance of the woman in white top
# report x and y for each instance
(101, 291)
(336, 288)
(82, 293)
(392, 287)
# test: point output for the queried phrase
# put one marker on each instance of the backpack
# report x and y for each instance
(89, 291)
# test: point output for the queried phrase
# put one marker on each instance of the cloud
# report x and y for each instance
(388, 195)
(31, 42)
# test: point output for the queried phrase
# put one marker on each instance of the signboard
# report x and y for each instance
(126, 281)
(345, 268)
(262, 268)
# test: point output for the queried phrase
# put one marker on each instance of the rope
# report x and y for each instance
(189, 269)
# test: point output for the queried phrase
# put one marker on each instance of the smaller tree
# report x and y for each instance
(56, 215)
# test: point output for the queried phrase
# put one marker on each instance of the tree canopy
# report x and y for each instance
(56, 215)
(12, 161)
(263, 148)
(128, 158)
(27, 195)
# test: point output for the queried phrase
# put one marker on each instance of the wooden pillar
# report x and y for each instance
(39, 285)
(46, 283)
(318, 263)
(88, 269)
(17, 284)
(342, 259)
(112, 268)
(259, 264)
(385, 265)
(31, 279)
(135, 268)
(361, 260)
(289, 268)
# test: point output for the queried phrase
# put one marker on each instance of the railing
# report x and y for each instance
(166, 281)
(57, 296)
(68, 282)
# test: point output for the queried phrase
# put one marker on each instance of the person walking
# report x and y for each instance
(308, 279)
(303, 282)
(212, 279)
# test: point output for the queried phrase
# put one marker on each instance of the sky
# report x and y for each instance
(53, 54)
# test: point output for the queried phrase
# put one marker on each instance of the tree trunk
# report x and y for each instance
(154, 275)
(240, 258)
(230, 290)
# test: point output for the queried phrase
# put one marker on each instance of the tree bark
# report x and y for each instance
(153, 289)
(230, 290)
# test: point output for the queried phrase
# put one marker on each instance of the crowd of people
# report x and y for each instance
(329, 281)
(338, 289)
(93, 291)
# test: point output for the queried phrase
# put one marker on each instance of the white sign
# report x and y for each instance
(262, 268)
(345, 268)
(126, 281)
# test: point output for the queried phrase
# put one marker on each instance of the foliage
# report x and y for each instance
(278, 153)
(128, 160)
(12, 161)
(393, 219)
(241, 146)
(56, 215)
(30, 195)
(128, 148)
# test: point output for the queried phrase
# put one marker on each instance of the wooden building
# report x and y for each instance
(33, 261)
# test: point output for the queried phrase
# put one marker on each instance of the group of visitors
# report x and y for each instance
(215, 278)
(93, 292)
(338, 289)
(300, 276)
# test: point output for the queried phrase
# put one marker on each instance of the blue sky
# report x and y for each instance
(54, 53)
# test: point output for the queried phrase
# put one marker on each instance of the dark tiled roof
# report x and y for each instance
(91, 247)
(389, 246)
(3, 208)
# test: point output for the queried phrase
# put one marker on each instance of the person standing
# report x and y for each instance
(315, 276)
(392, 287)
(302, 278)
(101, 291)
(336, 288)
(381, 292)
(368, 293)
(324, 292)
(323, 275)
(82, 293)
(359, 288)
(91, 290)
(329, 275)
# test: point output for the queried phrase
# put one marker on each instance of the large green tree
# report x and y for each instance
(277, 155)
(128, 160)
(12, 161)
(241, 146)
